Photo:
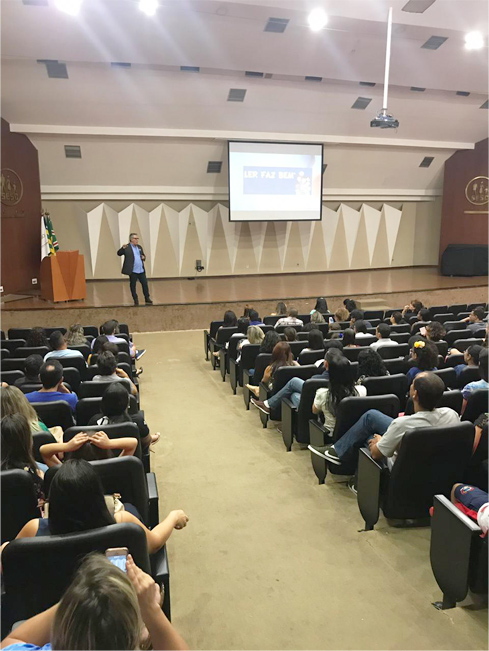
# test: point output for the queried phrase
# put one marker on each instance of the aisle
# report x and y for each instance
(270, 559)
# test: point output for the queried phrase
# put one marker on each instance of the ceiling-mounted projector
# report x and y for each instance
(384, 121)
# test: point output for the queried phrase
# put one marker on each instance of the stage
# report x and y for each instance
(186, 304)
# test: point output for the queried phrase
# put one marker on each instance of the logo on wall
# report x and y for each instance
(477, 191)
(12, 188)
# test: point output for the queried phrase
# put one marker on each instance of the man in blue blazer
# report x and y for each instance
(133, 267)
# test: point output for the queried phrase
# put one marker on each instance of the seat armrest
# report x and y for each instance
(153, 499)
(368, 488)
(233, 374)
(160, 570)
(246, 391)
(264, 392)
(206, 344)
(223, 357)
(318, 434)
(289, 416)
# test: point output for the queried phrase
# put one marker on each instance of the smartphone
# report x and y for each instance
(118, 557)
(331, 320)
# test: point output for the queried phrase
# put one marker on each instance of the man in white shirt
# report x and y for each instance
(360, 328)
(383, 333)
(60, 348)
(383, 433)
(290, 320)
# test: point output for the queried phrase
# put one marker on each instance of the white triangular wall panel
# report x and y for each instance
(329, 224)
(392, 221)
(142, 218)
(112, 217)
(351, 221)
(282, 233)
(155, 217)
(212, 217)
(125, 218)
(258, 231)
(183, 219)
(173, 222)
(200, 220)
(306, 230)
(94, 221)
(372, 221)
(232, 231)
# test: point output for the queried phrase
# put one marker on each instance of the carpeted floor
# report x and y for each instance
(270, 559)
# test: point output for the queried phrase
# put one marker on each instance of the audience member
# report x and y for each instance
(13, 401)
(331, 349)
(91, 447)
(396, 319)
(383, 334)
(280, 310)
(358, 315)
(424, 315)
(475, 320)
(350, 305)
(317, 317)
(335, 330)
(471, 357)
(243, 324)
(424, 358)
(111, 329)
(360, 328)
(77, 503)
(229, 320)
(413, 308)
(17, 444)
(76, 336)
(254, 335)
(97, 347)
(281, 356)
(383, 433)
(472, 501)
(108, 371)
(348, 339)
(469, 389)
(51, 375)
(321, 306)
(36, 338)
(270, 341)
(115, 403)
(370, 364)
(290, 333)
(129, 602)
(315, 341)
(433, 331)
(290, 320)
(32, 366)
(341, 315)
(60, 348)
(293, 389)
(255, 318)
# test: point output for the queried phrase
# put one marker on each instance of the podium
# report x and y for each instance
(63, 277)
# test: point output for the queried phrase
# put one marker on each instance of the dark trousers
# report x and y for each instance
(133, 279)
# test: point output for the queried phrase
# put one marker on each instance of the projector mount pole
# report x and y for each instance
(387, 61)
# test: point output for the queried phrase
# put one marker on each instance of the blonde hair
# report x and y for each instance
(255, 334)
(75, 335)
(317, 317)
(13, 401)
(99, 610)
(342, 314)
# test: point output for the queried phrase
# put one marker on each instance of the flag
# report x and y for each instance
(49, 243)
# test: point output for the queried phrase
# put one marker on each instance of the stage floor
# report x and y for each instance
(245, 289)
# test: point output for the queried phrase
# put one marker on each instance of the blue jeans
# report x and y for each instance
(372, 422)
(292, 390)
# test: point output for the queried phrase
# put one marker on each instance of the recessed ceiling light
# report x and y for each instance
(463, 93)
(361, 103)
(474, 41)
(417, 6)
(417, 89)
(485, 105)
(317, 19)
(71, 7)
(434, 42)
(148, 7)
(277, 25)
(426, 162)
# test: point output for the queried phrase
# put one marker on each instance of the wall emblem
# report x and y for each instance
(12, 188)
(477, 191)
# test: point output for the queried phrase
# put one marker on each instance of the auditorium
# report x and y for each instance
(244, 324)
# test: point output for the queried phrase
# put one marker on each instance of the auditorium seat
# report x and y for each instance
(417, 325)
(56, 413)
(462, 315)
(310, 356)
(389, 313)
(92, 331)
(454, 360)
(222, 337)
(282, 376)
(10, 376)
(452, 399)
(13, 344)
(467, 375)
(84, 349)
(74, 362)
(25, 351)
(429, 461)
(348, 412)
(280, 329)
(247, 361)
(49, 330)
(396, 384)
(396, 365)
(401, 338)
(297, 347)
(19, 502)
(458, 554)
(460, 307)
(271, 320)
(476, 405)
(29, 387)
(454, 325)
(2, 334)
(462, 344)
(401, 328)
(442, 347)
(437, 309)
(443, 317)
(211, 334)
(261, 362)
(454, 335)
(4, 353)
(472, 306)
(391, 352)
(90, 389)
(38, 439)
(72, 377)
(225, 354)
(353, 353)
(295, 421)
(13, 364)
(368, 315)
(448, 376)
(19, 333)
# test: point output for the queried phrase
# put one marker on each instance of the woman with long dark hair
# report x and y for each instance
(36, 338)
(348, 339)
(272, 338)
(315, 340)
(321, 305)
(281, 356)
(370, 364)
(424, 357)
(16, 448)
(280, 310)
(77, 503)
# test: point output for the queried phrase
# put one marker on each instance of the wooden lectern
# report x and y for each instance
(63, 277)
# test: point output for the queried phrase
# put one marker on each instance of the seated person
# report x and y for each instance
(254, 335)
(51, 375)
(341, 315)
(230, 320)
(280, 310)
(281, 356)
(17, 445)
(335, 330)
(332, 344)
(290, 320)
(433, 331)
(340, 385)
(97, 347)
(13, 401)
(108, 371)
(470, 388)
(32, 366)
(350, 305)
(471, 357)
(472, 501)
(475, 320)
(91, 447)
(76, 485)
(348, 339)
(357, 315)
(76, 336)
(370, 364)
(321, 306)
(111, 328)
(315, 341)
(36, 338)
(270, 341)
(396, 319)
(255, 318)
(424, 357)
(413, 308)
(360, 329)
(60, 348)
(317, 317)
(383, 433)
(127, 601)
(115, 403)
(290, 333)
(383, 334)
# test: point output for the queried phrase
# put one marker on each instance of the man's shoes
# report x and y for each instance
(326, 452)
(148, 301)
(259, 404)
(136, 303)
(352, 485)
(140, 353)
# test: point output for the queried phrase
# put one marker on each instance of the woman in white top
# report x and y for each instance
(254, 335)
(341, 385)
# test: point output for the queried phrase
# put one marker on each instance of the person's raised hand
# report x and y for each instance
(124, 246)
(121, 373)
(180, 519)
(147, 591)
(76, 442)
(101, 440)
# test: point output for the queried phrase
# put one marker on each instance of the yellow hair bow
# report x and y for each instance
(419, 344)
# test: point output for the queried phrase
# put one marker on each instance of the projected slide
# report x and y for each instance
(274, 181)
